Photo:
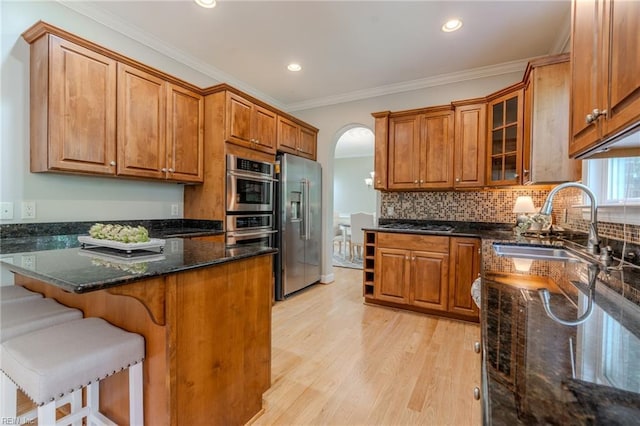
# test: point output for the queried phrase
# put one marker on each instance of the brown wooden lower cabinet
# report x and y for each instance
(426, 273)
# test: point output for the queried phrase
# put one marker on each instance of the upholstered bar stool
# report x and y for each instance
(21, 313)
(14, 293)
(50, 363)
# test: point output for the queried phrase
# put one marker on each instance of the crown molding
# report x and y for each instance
(407, 86)
(134, 33)
(114, 23)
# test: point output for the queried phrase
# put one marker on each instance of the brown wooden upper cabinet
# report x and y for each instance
(296, 139)
(469, 143)
(605, 82)
(159, 128)
(250, 125)
(504, 137)
(92, 114)
(545, 156)
(420, 149)
(73, 108)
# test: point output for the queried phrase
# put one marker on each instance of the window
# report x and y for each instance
(616, 183)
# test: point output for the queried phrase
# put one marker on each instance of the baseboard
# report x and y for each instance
(329, 278)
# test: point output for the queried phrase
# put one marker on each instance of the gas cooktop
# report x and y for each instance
(419, 227)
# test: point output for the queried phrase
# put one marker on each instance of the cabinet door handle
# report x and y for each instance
(257, 141)
(413, 258)
(112, 163)
(171, 170)
(525, 171)
(476, 347)
(516, 176)
(415, 181)
(421, 180)
(476, 393)
(164, 170)
(457, 179)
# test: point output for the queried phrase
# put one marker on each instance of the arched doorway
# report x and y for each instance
(352, 186)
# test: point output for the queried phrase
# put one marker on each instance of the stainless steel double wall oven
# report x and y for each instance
(250, 202)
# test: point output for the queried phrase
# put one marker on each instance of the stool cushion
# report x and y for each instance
(24, 316)
(50, 362)
(12, 293)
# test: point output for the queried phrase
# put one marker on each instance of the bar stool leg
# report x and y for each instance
(47, 414)
(8, 398)
(76, 404)
(136, 399)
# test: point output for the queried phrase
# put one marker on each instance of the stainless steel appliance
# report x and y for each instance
(298, 221)
(250, 229)
(250, 185)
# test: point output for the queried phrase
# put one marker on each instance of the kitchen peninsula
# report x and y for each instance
(203, 309)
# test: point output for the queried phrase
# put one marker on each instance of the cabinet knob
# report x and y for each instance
(525, 172)
(421, 180)
(476, 347)
(257, 141)
(476, 393)
(413, 258)
(164, 170)
(112, 163)
(594, 115)
(516, 176)
(457, 179)
(252, 140)
(415, 181)
(171, 170)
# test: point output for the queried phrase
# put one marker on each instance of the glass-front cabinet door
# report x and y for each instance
(504, 165)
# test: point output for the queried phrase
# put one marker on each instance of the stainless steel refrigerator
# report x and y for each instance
(298, 219)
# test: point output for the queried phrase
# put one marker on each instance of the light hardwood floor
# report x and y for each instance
(336, 361)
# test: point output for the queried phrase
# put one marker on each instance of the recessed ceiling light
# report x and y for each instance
(209, 4)
(452, 25)
(294, 67)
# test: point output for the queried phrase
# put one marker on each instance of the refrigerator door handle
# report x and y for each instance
(303, 209)
(307, 210)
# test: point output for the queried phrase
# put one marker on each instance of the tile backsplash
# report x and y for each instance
(495, 206)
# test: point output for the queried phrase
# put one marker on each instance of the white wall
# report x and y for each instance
(68, 197)
(350, 194)
(332, 120)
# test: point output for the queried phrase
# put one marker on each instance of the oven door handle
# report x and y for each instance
(252, 234)
(252, 176)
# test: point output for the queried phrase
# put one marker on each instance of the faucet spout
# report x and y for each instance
(593, 245)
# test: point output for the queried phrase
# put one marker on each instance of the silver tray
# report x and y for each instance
(153, 243)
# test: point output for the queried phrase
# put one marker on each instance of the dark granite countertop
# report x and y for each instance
(51, 252)
(18, 238)
(81, 270)
(535, 370)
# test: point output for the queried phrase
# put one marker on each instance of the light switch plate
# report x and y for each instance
(175, 209)
(6, 210)
(390, 211)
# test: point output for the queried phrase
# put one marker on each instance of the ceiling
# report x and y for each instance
(349, 50)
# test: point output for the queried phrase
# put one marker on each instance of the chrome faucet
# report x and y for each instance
(593, 244)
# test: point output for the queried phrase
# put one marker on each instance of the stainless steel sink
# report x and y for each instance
(536, 252)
